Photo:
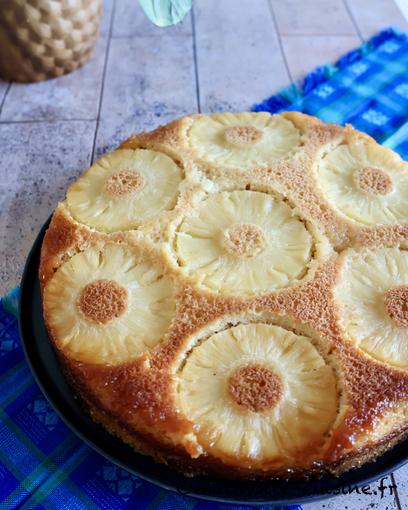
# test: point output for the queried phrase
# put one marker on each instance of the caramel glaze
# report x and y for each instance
(141, 392)
(64, 236)
(371, 388)
(178, 457)
(123, 407)
(295, 176)
(129, 392)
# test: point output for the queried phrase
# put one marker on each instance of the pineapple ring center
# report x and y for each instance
(124, 183)
(102, 301)
(244, 239)
(243, 135)
(373, 180)
(255, 387)
(396, 304)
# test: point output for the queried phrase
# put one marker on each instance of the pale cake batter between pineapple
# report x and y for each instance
(229, 294)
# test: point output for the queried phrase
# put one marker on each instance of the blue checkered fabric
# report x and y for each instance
(45, 466)
(367, 88)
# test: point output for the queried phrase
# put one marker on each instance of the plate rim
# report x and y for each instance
(86, 436)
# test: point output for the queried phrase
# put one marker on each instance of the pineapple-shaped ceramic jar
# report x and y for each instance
(42, 39)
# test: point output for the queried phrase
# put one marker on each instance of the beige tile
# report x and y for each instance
(374, 15)
(106, 16)
(368, 497)
(73, 96)
(312, 17)
(238, 54)
(305, 53)
(149, 81)
(38, 160)
(130, 20)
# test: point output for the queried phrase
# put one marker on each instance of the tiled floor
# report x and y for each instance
(220, 57)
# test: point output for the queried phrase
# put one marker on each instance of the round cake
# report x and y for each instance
(229, 294)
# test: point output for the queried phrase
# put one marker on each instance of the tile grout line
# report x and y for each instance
(353, 20)
(334, 36)
(105, 65)
(278, 35)
(42, 121)
(150, 36)
(396, 495)
(4, 98)
(311, 34)
(197, 81)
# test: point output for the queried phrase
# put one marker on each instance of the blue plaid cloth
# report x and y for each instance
(367, 88)
(45, 466)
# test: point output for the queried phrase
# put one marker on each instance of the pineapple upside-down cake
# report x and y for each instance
(229, 294)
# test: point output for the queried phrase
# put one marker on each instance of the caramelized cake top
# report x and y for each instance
(231, 290)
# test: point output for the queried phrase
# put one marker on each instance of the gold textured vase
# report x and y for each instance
(42, 39)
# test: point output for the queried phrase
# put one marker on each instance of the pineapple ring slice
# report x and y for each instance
(372, 300)
(104, 306)
(124, 189)
(243, 140)
(258, 392)
(244, 242)
(365, 182)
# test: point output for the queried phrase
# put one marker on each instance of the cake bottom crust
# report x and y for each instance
(177, 458)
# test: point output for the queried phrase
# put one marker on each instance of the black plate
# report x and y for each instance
(44, 365)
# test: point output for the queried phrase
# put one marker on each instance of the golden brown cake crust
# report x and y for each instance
(137, 401)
